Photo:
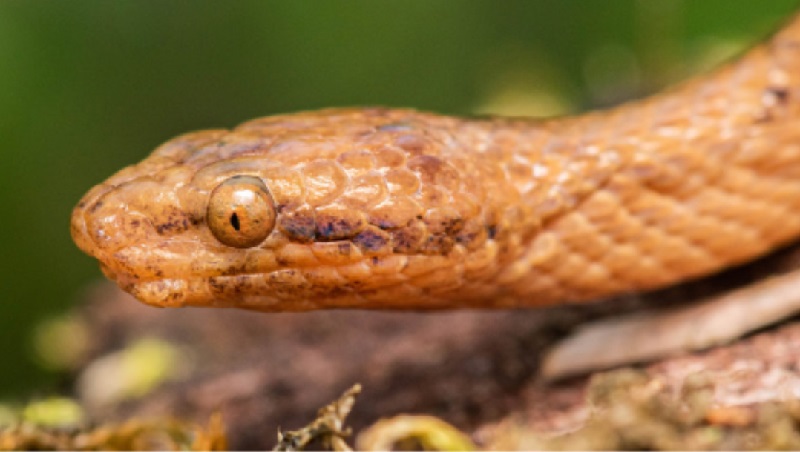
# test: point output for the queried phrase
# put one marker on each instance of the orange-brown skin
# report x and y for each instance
(379, 208)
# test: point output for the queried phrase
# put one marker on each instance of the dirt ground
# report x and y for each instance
(476, 370)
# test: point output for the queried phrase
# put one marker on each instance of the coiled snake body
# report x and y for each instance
(381, 208)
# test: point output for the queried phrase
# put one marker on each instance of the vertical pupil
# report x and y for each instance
(235, 221)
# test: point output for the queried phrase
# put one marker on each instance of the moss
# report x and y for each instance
(629, 410)
(135, 434)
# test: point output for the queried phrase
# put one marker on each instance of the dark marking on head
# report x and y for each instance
(384, 223)
(299, 226)
(345, 248)
(491, 230)
(445, 225)
(781, 95)
(453, 226)
(215, 284)
(96, 206)
(466, 238)
(279, 278)
(370, 240)
(241, 284)
(472, 236)
(775, 98)
(335, 291)
(177, 222)
(233, 270)
(330, 228)
(408, 239)
(440, 243)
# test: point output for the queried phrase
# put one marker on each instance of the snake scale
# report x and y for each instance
(387, 208)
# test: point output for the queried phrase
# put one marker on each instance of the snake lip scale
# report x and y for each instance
(398, 209)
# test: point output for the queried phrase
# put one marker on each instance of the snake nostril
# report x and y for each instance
(107, 221)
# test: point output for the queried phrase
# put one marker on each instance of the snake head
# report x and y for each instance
(338, 208)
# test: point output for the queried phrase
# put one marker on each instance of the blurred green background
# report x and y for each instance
(88, 87)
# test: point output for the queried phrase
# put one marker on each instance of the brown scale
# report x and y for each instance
(382, 208)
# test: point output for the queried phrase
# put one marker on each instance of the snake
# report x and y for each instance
(381, 208)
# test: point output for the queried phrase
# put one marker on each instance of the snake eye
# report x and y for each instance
(241, 212)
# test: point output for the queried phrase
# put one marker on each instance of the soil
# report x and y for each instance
(476, 370)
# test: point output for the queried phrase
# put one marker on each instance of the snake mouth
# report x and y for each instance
(245, 291)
